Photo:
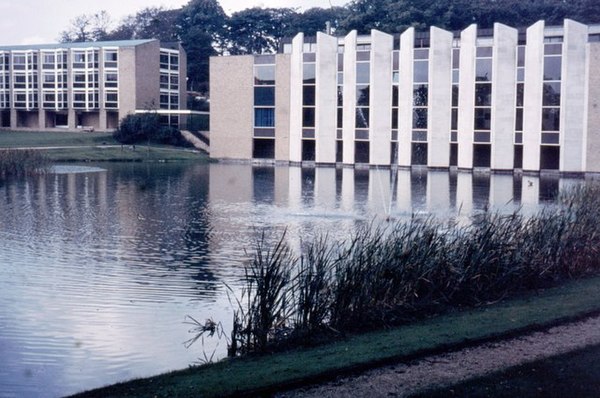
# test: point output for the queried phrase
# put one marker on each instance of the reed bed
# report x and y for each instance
(392, 273)
(22, 162)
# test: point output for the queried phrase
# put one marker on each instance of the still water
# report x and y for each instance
(99, 266)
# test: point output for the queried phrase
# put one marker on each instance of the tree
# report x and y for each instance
(87, 27)
(148, 23)
(202, 31)
(259, 30)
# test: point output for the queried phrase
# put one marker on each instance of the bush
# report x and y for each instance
(146, 127)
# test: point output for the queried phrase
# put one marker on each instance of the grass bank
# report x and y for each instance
(263, 374)
(64, 146)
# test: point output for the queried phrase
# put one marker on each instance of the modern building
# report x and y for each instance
(90, 85)
(500, 99)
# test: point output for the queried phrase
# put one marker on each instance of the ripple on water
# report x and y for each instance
(74, 169)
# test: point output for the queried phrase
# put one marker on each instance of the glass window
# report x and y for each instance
(308, 117)
(394, 95)
(483, 118)
(455, 95)
(483, 70)
(455, 58)
(520, 74)
(395, 118)
(264, 96)
(455, 76)
(362, 118)
(454, 119)
(420, 118)
(340, 96)
(550, 119)
(264, 75)
(340, 118)
(420, 92)
(521, 56)
(308, 95)
(519, 120)
(363, 73)
(483, 94)
(552, 67)
(520, 91)
(309, 73)
(421, 72)
(551, 94)
(264, 117)
(362, 95)
(421, 53)
(553, 49)
(484, 52)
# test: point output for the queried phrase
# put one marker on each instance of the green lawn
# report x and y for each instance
(62, 146)
(19, 139)
(576, 374)
(273, 372)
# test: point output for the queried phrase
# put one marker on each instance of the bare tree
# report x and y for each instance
(87, 27)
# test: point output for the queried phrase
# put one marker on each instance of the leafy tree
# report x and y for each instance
(148, 23)
(315, 20)
(259, 30)
(87, 27)
(202, 31)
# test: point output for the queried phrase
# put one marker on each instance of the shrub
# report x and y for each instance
(146, 127)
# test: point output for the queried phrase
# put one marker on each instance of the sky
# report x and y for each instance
(41, 21)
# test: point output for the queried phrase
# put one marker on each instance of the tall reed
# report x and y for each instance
(388, 274)
(22, 162)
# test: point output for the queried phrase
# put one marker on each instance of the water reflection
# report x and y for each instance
(98, 270)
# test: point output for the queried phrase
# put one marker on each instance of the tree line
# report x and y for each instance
(204, 29)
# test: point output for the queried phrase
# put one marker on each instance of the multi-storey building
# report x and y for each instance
(90, 85)
(498, 99)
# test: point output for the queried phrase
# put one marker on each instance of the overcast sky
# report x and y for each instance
(41, 21)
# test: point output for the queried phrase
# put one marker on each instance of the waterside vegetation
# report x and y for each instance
(18, 163)
(389, 275)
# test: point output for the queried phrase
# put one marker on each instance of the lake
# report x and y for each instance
(100, 264)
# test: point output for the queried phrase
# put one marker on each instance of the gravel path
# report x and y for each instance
(405, 379)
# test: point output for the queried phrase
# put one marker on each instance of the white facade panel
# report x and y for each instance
(466, 96)
(326, 98)
(407, 43)
(381, 98)
(349, 93)
(532, 103)
(296, 98)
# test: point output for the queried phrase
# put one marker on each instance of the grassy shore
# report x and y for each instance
(265, 374)
(63, 146)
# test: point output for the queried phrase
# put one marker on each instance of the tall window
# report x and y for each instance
(363, 93)
(454, 108)
(420, 102)
(264, 107)
(483, 107)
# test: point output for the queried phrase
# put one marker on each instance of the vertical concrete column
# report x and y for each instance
(71, 115)
(282, 107)
(466, 97)
(349, 93)
(102, 125)
(296, 98)
(405, 89)
(532, 101)
(40, 107)
(13, 115)
(440, 98)
(593, 109)
(326, 98)
(573, 99)
(504, 64)
(380, 131)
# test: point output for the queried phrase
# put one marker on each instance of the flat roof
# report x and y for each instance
(85, 44)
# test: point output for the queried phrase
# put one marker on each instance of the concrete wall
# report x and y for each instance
(532, 102)
(231, 127)
(405, 100)
(440, 98)
(380, 98)
(326, 98)
(127, 90)
(503, 97)
(349, 92)
(296, 98)
(282, 110)
(572, 114)
(466, 97)
(593, 109)
(146, 75)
